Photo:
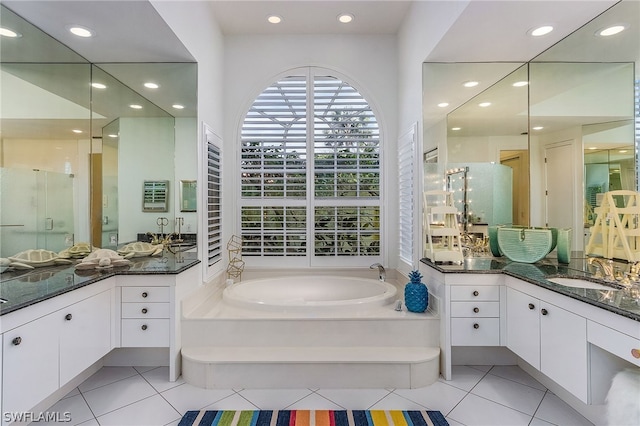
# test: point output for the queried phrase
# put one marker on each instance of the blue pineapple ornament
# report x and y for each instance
(416, 296)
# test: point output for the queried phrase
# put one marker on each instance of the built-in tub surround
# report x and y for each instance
(323, 293)
(357, 340)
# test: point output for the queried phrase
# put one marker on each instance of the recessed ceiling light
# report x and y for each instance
(6, 32)
(520, 83)
(592, 147)
(470, 83)
(443, 104)
(77, 131)
(150, 85)
(456, 128)
(623, 151)
(540, 31)
(178, 106)
(537, 128)
(80, 31)
(484, 104)
(135, 106)
(113, 135)
(274, 19)
(345, 18)
(609, 31)
(98, 86)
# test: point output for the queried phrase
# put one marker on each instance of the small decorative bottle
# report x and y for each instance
(416, 296)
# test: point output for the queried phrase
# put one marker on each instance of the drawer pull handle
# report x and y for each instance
(544, 311)
(145, 294)
(635, 353)
(532, 306)
(144, 326)
(16, 341)
(475, 293)
(476, 310)
(144, 310)
(476, 326)
(68, 317)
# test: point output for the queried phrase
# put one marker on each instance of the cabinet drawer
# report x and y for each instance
(613, 341)
(470, 292)
(145, 294)
(475, 309)
(145, 310)
(475, 331)
(139, 333)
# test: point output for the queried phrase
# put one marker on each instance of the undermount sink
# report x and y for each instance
(580, 283)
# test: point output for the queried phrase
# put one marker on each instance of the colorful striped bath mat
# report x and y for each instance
(313, 418)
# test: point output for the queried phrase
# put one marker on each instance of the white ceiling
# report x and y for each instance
(310, 16)
(132, 31)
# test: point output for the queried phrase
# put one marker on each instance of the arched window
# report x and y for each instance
(310, 173)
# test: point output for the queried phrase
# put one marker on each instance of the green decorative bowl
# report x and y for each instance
(526, 245)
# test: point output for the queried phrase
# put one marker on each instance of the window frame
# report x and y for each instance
(310, 202)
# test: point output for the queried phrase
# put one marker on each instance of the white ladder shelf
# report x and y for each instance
(440, 220)
(616, 232)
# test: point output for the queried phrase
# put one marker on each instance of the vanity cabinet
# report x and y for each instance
(47, 351)
(29, 364)
(85, 334)
(148, 317)
(549, 338)
(145, 316)
(475, 315)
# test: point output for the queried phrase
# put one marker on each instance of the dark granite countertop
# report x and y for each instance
(19, 289)
(621, 300)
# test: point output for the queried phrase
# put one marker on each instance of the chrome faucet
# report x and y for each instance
(381, 273)
(604, 268)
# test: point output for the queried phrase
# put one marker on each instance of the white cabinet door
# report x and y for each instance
(85, 334)
(30, 364)
(563, 348)
(523, 326)
(550, 338)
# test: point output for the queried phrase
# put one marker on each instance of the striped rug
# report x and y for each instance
(313, 418)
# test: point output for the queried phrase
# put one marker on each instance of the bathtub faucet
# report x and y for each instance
(381, 273)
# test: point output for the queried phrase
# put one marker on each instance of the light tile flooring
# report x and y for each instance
(477, 395)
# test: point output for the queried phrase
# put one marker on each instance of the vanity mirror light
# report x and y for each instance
(547, 114)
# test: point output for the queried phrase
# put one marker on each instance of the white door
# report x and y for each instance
(559, 182)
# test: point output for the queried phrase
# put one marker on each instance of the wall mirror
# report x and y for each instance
(74, 150)
(188, 196)
(45, 120)
(575, 108)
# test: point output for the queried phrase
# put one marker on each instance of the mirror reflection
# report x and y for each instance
(570, 133)
(79, 139)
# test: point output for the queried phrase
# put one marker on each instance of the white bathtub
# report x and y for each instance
(314, 293)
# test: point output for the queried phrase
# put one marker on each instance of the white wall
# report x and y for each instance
(369, 62)
(422, 29)
(145, 152)
(198, 30)
(482, 149)
(186, 157)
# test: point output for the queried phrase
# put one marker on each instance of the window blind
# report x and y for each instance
(310, 171)
(214, 211)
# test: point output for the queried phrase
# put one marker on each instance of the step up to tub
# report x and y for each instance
(310, 367)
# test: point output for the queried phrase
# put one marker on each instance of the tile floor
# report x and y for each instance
(477, 395)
